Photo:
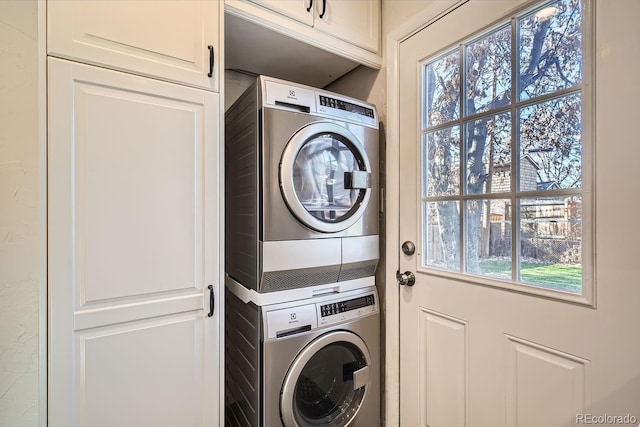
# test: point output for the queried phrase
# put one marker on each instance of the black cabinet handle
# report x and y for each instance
(310, 5)
(211, 301)
(324, 8)
(211, 59)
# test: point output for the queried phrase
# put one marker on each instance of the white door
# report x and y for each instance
(172, 40)
(354, 21)
(512, 320)
(133, 246)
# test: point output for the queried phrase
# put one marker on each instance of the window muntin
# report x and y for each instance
(476, 218)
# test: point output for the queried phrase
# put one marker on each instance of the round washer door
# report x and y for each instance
(327, 383)
(325, 177)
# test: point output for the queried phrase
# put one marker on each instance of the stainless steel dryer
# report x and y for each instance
(301, 187)
(305, 363)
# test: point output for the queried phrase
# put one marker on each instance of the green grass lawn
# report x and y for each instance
(567, 278)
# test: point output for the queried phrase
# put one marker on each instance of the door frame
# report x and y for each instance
(392, 206)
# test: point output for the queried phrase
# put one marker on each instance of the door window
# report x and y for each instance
(503, 146)
(319, 172)
(325, 177)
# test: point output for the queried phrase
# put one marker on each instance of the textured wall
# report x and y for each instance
(19, 210)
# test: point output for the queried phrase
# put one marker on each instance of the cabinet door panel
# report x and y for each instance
(294, 9)
(132, 217)
(134, 358)
(355, 21)
(164, 39)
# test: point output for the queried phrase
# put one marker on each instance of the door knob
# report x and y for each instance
(406, 278)
(408, 248)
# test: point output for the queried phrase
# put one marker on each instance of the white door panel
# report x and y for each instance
(166, 39)
(355, 21)
(295, 9)
(144, 373)
(133, 215)
(479, 355)
(145, 157)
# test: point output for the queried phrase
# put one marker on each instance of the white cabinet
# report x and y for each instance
(170, 40)
(133, 220)
(355, 21)
(348, 29)
(300, 10)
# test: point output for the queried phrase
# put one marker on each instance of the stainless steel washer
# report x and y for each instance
(316, 362)
(301, 187)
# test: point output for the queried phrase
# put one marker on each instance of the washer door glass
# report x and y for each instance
(325, 177)
(327, 383)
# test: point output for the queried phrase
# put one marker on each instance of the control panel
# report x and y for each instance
(285, 320)
(345, 109)
(348, 305)
(346, 309)
(345, 106)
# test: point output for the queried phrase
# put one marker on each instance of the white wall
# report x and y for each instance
(20, 242)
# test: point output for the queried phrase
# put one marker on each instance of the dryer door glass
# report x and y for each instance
(326, 392)
(322, 173)
(325, 177)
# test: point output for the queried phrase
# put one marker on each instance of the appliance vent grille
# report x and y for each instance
(274, 281)
(357, 273)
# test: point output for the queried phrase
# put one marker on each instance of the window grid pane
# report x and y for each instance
(490, 254)
(550, 49)
(488, 72)
(551, 242)
(488, 154)
(441, 162)
(550, 136)
(442, 90)
(441, 246)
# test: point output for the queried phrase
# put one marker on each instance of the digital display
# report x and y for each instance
(354, 304)
(346, 106)
(343, 306)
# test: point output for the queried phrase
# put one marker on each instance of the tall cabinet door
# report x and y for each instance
(133, 246)
(158, 38)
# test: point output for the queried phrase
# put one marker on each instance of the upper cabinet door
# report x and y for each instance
(170, 40)
(355, 21)
(300, 10)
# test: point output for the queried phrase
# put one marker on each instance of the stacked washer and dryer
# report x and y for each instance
(302, 313)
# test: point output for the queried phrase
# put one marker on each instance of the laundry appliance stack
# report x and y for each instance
(302, 314)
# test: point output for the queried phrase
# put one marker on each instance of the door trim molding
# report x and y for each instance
(43, 298)
(392, 247)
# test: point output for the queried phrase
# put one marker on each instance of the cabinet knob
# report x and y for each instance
(310, 6)
(324, 8)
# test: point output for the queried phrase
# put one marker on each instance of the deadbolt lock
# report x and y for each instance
(408, 248)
